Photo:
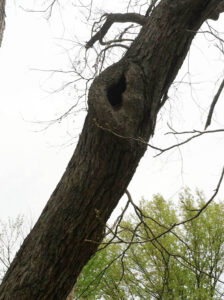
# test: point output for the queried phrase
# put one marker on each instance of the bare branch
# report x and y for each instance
(115, 18)
(196, 133)
(48, 9)
(216, 12)
(206, 204)
(212, 107)
(151, 7)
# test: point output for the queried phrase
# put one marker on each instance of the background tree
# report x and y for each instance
(12, 234)
(124, 101)
(184, 264)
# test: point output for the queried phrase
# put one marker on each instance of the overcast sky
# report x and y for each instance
(33, 160)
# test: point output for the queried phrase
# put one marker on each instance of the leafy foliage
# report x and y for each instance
(150, 259)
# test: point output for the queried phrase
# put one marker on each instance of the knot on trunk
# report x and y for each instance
(115, 92)
(117, 97)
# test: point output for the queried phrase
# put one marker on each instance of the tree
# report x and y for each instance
(147, 270)
(12, 235)
(123, 104)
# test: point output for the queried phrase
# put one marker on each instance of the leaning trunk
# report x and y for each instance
(123, 105)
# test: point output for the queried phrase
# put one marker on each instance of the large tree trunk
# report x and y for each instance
(107, 154)
(2, 19)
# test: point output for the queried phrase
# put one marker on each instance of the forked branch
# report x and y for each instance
(115, 18)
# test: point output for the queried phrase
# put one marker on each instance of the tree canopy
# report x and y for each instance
(186, 263)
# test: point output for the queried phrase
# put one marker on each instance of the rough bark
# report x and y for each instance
(123, 101)
(71, 294)
(2, 19)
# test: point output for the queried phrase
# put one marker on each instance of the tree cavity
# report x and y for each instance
(115, 91)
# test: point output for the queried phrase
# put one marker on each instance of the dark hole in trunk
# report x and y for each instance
(115, 91)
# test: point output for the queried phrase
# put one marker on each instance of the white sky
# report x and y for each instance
(31, 162)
